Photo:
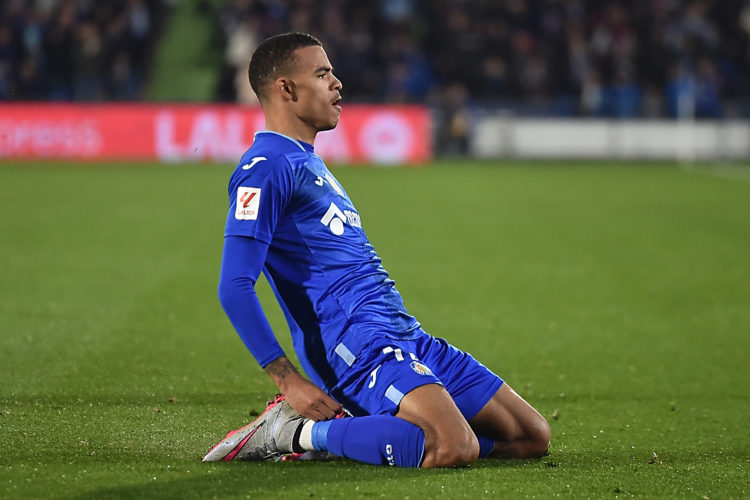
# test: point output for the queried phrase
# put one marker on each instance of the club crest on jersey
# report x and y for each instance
(420, 368)
(248, 203)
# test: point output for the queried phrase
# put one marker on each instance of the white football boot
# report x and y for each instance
(269, 436)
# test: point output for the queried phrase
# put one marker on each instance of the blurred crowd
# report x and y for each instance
(553, 57)
(82, 50)
(565, 57)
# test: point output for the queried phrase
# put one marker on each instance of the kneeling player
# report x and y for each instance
(416, 400)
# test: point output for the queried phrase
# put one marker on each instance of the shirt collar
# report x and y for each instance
(300, 144)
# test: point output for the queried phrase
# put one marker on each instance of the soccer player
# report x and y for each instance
(416, 400)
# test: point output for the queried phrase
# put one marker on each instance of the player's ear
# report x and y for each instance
(285, 87)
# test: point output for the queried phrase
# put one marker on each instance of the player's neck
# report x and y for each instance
(294, 129)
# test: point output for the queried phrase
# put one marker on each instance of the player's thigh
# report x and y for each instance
(431, 408)
(471, 384)
(508, 417)
(449, 440)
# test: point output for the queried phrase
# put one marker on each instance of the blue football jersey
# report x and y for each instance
(325, 273)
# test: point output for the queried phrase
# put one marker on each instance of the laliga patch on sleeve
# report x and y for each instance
(248, 203)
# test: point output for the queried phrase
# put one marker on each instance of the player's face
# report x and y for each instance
(317, 89)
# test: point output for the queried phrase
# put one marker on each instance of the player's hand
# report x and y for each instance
(312, 402)
(304, 396)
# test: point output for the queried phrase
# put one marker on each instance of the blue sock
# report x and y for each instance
(376, 439)
(485, 446)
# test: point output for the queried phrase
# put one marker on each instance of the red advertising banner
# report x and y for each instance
(176, 133)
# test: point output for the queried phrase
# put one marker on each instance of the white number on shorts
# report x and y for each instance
(398, 353)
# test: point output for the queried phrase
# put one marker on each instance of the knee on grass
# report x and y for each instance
(538, 439)
(454, 452)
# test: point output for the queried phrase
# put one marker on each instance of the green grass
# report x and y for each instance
(615, 298)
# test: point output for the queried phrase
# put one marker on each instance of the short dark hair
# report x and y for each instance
(274, 57)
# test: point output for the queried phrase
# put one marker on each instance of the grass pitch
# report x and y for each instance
(615, 298)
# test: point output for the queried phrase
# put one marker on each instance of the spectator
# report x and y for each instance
(614, 59)
(75, 49)
(614, 56)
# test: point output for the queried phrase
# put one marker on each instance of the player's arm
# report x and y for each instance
(241, 266)
(304, 396)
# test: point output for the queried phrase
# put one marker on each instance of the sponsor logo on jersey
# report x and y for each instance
(248, 203)
(420, 368)
(353, 218)
(334, 219)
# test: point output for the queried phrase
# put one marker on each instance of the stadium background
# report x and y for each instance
(482, 69)
(579, 222)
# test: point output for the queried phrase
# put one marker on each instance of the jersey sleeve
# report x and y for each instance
(241, 265)
(258, 197)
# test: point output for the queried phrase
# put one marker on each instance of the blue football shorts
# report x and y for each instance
(386, 369)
